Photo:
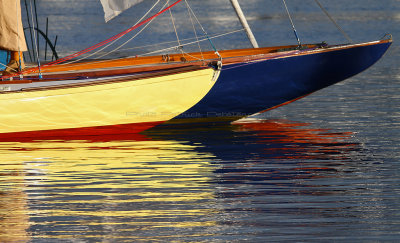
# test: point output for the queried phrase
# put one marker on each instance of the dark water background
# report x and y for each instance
(325, 168)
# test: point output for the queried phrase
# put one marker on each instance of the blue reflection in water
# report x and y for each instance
(278, 179)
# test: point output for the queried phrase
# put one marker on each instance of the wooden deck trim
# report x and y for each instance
(111, 80)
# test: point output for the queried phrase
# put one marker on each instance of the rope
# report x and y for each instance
(291, 21)
(334, 22)
(133, 37)
(205, 33)
(112, 38)
(200, 59)
(119, 38)
(5, 65)
(194, 29)
(169, 42)
(176, 32)
(170, 48)
(99, 44)
(190, 43)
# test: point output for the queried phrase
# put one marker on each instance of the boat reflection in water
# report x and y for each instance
(170, 182)
(269, 138)
(60, 189)
(295, 140)
(14, 219)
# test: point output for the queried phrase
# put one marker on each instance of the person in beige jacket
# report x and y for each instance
(12, 36)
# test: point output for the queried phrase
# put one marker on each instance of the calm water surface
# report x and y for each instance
(325, 168)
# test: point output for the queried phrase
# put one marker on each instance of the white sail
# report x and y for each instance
(113, 8)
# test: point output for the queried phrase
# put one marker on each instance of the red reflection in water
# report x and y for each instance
(299, 140)
(281, 153)
(89, 134)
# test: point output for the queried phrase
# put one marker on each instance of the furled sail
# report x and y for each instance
(113, 8)
(12, 36)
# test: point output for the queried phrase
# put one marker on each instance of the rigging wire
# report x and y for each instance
(113, 37)
(194, 29)
(114, 50)
(30, 31)
(191, 43)
(176, 32)
(186, 39)
(116, 37)
(35, 42)
(334, 22)
(205, 33)
(18, 38)
(179, 41)
(67, 58)
(170, 48)
(133, 37)
(5, 66)
(291, 21)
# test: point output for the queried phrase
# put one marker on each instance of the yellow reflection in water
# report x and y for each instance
(14, 220)
(99, 180)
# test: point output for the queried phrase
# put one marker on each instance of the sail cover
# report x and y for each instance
(113, 8)
(12, 36)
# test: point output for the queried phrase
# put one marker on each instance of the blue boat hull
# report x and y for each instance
(247, 88)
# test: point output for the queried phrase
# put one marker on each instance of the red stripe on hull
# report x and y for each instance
(99, 133)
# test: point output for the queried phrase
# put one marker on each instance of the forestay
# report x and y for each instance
(113, 8)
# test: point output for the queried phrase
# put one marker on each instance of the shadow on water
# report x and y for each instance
(261, 139)
(177, 181)
(270, 152)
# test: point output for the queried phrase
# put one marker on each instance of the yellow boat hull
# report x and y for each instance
(114, 102)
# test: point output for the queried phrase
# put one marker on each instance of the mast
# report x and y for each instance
(245, 25)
